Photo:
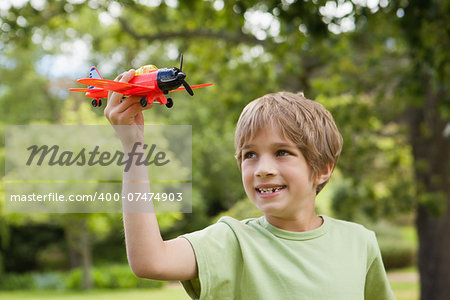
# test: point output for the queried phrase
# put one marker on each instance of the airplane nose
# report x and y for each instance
(181, 76)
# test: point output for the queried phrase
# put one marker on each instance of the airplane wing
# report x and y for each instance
(192, 87)
(92, 93)
(119, 87)
(83, 90)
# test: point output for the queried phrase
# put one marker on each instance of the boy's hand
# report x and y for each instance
(127, 112)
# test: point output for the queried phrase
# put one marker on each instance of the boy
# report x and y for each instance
(286, 147)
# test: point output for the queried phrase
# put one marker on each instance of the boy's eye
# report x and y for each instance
(248, 155)
(283, 153)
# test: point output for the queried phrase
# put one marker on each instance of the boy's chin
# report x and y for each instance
(269, 208)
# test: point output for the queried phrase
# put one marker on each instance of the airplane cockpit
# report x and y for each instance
(145, 70)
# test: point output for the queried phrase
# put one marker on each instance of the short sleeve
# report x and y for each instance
(218, 258)
(377, 285)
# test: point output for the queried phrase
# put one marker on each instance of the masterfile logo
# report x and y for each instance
(79, 169)
(53, 156)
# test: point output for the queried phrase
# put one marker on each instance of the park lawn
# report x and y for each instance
(404, 285)
(405, 290)
(169, 292)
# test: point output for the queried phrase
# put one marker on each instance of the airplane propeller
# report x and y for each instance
(185, 84)
(181, 62)
(188, 88)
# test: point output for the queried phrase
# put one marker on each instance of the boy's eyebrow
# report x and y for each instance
(247, 146)
(277, 145)
(283, 145)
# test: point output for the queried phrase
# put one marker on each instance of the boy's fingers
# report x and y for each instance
(127, 76)
(120, 114)
(128, 116)
(121, 107)
(115, 98)
(119, 76)
(112, 96)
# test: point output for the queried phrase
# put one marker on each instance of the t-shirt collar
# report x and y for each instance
(298, 236)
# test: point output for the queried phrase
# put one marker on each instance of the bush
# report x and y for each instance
(48, 281)
(74, 280)
(52, 257)
(397, 250)
(110, 277)
(120, 276)
(14, 281)
(104, 277)
(397, 253)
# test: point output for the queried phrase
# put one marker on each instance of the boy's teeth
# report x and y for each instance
(269, 190)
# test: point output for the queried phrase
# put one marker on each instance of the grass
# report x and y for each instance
(169, 292)
(403, 282)
(405, 290)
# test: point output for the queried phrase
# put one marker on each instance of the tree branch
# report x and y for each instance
(237, 38)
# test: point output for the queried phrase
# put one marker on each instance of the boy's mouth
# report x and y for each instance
(269, 190)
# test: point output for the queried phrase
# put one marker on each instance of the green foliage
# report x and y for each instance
(110, 277)
(397, 254)
(14, 281)
(397, 247)
(434, 202)
(52, 257)
(48, 281)
(25, 94)
(105, 277)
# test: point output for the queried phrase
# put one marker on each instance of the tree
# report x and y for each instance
(426, 26)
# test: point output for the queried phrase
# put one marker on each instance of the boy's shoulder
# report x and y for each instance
(235, 224)
(354, 233)
(227, 231)
(342, 224)
(226, 226)
(349, 227)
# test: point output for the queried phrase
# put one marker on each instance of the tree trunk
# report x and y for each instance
(431, 146)
(86, 256)
(434, 255)
(80, 244)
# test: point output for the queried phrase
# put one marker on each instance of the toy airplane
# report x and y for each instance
(149, 82)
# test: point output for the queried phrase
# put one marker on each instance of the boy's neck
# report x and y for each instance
(302, 223)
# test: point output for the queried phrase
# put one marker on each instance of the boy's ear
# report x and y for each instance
(325, 175)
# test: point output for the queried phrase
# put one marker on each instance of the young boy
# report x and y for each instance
(286, 147)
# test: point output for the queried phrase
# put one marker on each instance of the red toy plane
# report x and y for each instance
(149, 82)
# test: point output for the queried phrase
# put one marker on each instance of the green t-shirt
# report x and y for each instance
(252, 259)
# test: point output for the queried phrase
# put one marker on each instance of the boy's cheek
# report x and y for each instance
(248, 184)
(246, 174)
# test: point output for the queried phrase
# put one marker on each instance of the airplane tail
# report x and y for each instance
(93, 73)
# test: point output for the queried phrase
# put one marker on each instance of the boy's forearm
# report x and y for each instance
(148, 255)
(144, 243)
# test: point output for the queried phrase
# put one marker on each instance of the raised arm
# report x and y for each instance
(148, 255)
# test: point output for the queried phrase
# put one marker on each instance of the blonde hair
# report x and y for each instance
(304, 122)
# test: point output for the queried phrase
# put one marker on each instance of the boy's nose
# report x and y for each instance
(266, 167)
(263, 173)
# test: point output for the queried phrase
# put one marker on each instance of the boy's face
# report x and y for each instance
(276, 176)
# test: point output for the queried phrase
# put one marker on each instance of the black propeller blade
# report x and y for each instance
(188, 88)
(185, 84)
(181, 62)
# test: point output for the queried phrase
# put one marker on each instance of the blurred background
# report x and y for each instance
(380, 66)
